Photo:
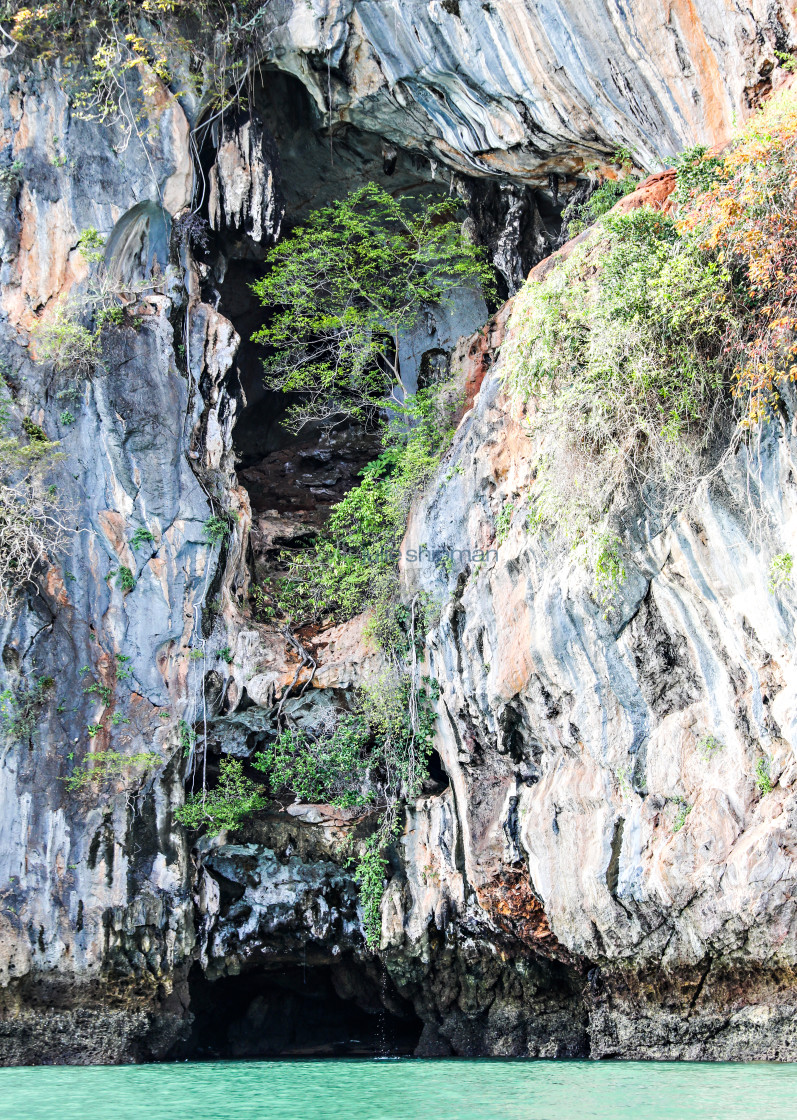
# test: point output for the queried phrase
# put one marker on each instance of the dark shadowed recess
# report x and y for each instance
(297, 1011)
(302, 474)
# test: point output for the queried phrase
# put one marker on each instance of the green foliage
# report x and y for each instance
(226, 805)
(66, 344)
(90, 245)
(695, 171)
(125, 579)
(66, 418)
(33, 431)
(113, 316)
(763, 779)
(608, 566)
(104, 691)
(578, 216)
(625, 350)
(94, 729)
(352, 564)
(108, 46)
(104, 766)
(503, 521)
(374, 758)
(10, 179)
(369, 875)
(787, 61)
(780, 570)
(186, 735)
(122, 671)
(227, 655)
(141, 537)
(683, 812)
(709, 745)
(20, 710)
(31, 529)
(346, 285)
(217, 528)
(331, 767)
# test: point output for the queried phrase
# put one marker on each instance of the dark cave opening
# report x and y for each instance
(332, 1010)
(299, 476)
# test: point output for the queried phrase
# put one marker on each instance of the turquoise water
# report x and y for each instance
(402, 1090)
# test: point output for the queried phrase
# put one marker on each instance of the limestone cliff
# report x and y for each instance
(539, 901)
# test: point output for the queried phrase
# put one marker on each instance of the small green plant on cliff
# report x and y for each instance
(346, 285)
(125, 579)
(780, 570)
(90, 245)
(226, 805)
(709, 745)
(763, 779)
(578, 216)
(503, 521)
(218, 527)
(20, 709)
(683, 811)
(353, 562)
(624, 350)
(105, 766)
(141, 537)
(32, 526)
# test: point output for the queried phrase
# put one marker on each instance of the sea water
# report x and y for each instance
(406, 1089)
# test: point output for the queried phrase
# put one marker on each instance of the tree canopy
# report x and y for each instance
(346, 285)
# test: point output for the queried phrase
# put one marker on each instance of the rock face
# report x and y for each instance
(602, 768)
(541, 900)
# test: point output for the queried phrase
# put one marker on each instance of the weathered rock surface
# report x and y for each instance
(598, 825)
(540, 900)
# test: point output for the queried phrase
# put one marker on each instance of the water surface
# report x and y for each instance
(403, 1090)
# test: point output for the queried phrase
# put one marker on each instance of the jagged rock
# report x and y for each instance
(245, 189)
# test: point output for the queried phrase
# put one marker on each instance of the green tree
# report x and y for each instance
(346, 285)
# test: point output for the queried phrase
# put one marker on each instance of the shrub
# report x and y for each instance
(330, 766)
(748, 217)
(353, 562)
(141, 537)
(217, 528)
(186, 735)
(32, 529)
(682, 813)
(20, 710)
(763, 780)
(624, 350)
(90, 245)
(65, 343)
(125, 579)
(226, 654)
(709, 745)
(503, 522)
(104, 766)
(578, 216)
(780, 571)
(346, 285)
(226, 805)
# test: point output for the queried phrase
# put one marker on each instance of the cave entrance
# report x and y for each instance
(265, 167)
(336, 1010)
